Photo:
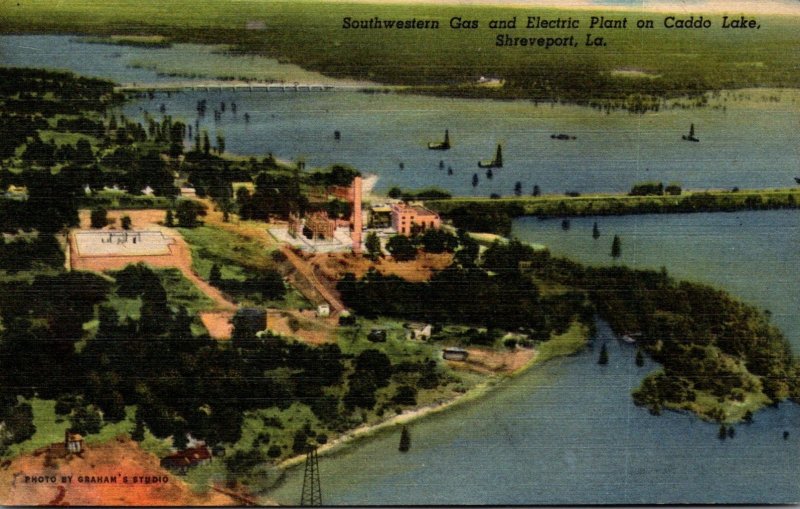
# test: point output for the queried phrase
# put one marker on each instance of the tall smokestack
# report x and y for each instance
(356, 220)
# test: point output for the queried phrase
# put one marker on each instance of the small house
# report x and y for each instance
(455, 354)
(190, 457)
(324, 310)
(377, 335)
(73, 442)
(188, 191)
(418, 331)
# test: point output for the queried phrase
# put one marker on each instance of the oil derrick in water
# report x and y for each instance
(312, 492)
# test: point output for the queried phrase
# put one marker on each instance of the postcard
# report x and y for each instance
(399, 252)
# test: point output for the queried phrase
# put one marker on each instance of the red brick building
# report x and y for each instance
(409, 218)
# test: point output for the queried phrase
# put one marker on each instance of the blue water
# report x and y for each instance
(745, 142)
(70, 54)
(751, 254)
(744, 145)
(568, 432)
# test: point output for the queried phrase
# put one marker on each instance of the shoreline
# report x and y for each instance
(569, 343)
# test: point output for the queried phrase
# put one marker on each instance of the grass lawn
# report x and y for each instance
(565, 344)
(49, 427)
(234, 254)
(238, 258)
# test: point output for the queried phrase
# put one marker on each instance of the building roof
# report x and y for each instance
(417, 209)
(189, 456)
(254, 312)
(417, 325)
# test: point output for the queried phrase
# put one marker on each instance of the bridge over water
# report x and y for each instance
(156, 88)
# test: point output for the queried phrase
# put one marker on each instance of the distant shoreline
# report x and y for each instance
(698, 7)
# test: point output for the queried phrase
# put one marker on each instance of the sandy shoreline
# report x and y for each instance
(403, 418)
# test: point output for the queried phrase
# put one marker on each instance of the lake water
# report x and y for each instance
(566, 432)
(751, 254)
(747, 142)
(748, 145)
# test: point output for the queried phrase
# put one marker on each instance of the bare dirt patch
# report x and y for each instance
(334, 265)
(218, 323)
(114, 459)
(303, 325)
(490, 361)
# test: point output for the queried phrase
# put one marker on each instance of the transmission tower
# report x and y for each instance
(312, 492)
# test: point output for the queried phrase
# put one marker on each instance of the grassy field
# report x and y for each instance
(310, 34)
(50, 428)
(238, 258)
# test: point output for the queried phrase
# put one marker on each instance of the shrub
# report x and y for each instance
(99, 217)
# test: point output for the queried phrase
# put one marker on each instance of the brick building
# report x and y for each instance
(406, 219)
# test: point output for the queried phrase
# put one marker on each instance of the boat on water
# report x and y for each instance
(497, 162)
(445, 145)
(631, 338)
(690, 136)
(562, 136)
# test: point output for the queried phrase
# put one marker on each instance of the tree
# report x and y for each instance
(723, 432)
(603, 355)
(401, 248)
(215, 276)
(468, 252)
(125, 221)
(438, 241)
(405, 395)
(86, 420)
(270, 284)
(138, 429)
(206, 143)
(616, 247)
(169, 218)
(220, 144)
(187, 212)
(83, 152)
(595, 231)
(639, 358)
(474, 180)
(99, 217)
(518, 189)
(405, 440)
(395, 193)
(537, 191)
(373, 244)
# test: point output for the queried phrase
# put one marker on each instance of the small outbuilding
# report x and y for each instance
(182, 461)
(419, 331)
(455, 354)
(377, 335)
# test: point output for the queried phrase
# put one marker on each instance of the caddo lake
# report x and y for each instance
(749, 139)
(566, 432)
(747, 145)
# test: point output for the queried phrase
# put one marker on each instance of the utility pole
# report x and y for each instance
(312, 492)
